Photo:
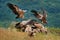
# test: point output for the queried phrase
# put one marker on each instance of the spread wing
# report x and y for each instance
(44, 16)
(19, 12)
(44, 12)
(37, 14)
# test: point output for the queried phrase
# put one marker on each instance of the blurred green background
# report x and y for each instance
(51, 6)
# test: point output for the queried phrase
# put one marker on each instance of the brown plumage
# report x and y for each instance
(41, 17)
(23, 24)
(41, 27)
(19, 12)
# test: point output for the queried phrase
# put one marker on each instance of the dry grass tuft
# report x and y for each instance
(5, 34)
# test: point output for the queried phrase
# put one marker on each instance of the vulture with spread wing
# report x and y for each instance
(41, 17)
(19, 12)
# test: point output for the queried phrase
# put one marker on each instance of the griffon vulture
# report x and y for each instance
(19, 12)
(41, 17)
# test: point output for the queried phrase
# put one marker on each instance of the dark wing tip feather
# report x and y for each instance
(10, 5)
(44, 12)
(34, 11)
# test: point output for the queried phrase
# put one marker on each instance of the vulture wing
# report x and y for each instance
(40, 16)
(36, 14)
(44, 12)
(44, 16)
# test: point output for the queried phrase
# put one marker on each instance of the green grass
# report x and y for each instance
(53, 34)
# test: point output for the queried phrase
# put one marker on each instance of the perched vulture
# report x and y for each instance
(41, 17)
(41, 27)
(19, 12)
(24, 23)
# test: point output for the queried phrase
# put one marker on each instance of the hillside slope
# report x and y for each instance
(13, 35)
